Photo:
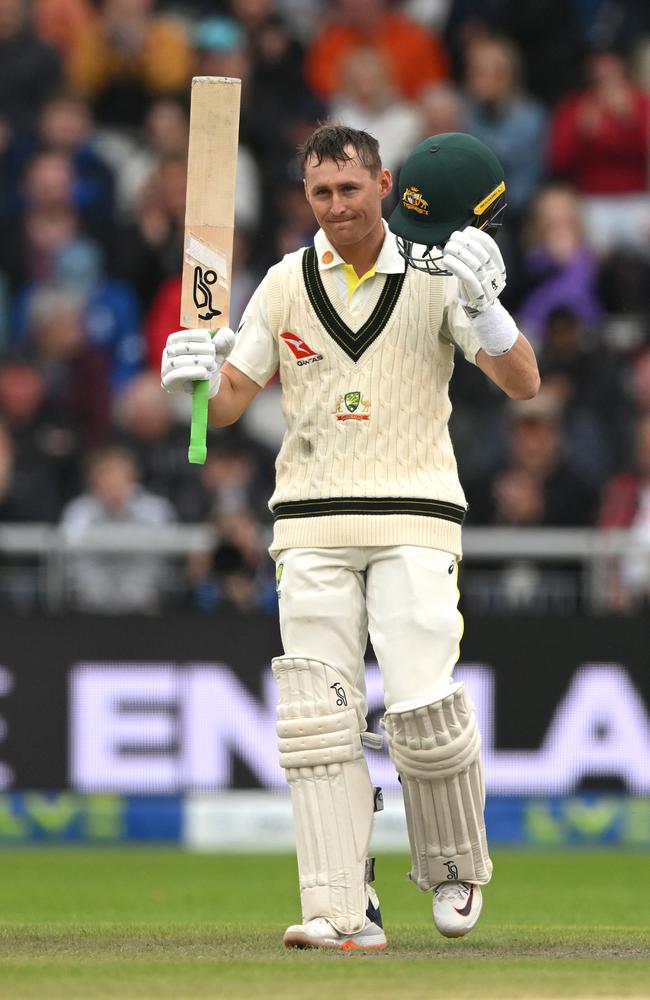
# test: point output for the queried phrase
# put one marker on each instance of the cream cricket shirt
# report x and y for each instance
(365, 368)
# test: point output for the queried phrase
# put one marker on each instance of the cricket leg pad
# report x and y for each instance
(331, 792)
(436, 749)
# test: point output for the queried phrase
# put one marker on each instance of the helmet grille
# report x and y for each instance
(427, 261)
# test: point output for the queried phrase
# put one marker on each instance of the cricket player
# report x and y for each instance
(368, 507)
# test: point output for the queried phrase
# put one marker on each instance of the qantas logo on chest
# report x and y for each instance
(300, 349)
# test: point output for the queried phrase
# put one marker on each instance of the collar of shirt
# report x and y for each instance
(389, 260)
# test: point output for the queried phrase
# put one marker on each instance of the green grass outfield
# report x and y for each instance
(77, 923)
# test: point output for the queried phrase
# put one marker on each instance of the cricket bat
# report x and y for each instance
(209, 223)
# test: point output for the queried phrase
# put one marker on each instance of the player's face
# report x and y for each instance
(346, 199)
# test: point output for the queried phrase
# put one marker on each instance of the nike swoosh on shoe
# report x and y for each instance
(464, 911)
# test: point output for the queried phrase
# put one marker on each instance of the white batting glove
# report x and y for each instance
(476, 260)
(195, 356)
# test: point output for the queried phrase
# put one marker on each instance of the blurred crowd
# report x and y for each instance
(94, 109)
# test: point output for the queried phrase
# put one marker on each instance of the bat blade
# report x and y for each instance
(209, 223)
(210, 202)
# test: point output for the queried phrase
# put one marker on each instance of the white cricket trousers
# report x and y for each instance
(404, 596)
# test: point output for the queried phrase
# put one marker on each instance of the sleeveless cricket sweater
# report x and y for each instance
(366, 458)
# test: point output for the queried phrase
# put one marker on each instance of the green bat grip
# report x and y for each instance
(198, 450)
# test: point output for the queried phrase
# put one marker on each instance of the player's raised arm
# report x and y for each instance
(235, 394)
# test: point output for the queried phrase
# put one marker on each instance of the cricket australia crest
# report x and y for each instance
(414, 200)
(347, 406)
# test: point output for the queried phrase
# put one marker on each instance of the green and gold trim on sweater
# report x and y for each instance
(353, 342)
(369, 505)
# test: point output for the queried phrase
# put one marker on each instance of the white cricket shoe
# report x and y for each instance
(456, 907)
(320, 933)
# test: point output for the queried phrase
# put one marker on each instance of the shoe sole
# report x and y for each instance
(456, 934)
(303, 941)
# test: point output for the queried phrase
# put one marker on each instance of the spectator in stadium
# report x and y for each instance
(636, 384)
(535, 485)
(236, 476)
(221, 49)
(66, 126)
(295, 222)
(558, 269)
(58, 22)
(49, 181)
(442, 108)
(30, 70)
(22, 394)
(115, 582)
(4, 312)
(46, 441)
(111, 315)
(253, 15)
(48, 224)
(236, 575)
(416, 56)
(277, 55)
(76, 373)
(148, 426)
(126, 57)
(133, 157)
(626, 505)
(60, 173)
(366, 99)
(505, 117)
(626, 498)
(27, 491)
(10, 168)
(581, 372)
(547, 32)
(152, 246)
(599, 142)
(623, 282)
(640, 382)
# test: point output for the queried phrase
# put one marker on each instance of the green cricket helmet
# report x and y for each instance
(449, 181)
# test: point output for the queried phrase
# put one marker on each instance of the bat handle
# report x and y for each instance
(198, 449)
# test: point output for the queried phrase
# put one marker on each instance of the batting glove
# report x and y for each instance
(195, 356)
(476, 260)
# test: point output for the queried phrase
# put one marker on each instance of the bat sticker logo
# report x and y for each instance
(202, 291)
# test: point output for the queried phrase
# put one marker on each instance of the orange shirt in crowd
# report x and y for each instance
(163, 64)
(416, 56)
(58, 22)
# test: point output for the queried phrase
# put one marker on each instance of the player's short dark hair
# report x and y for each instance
(332, 142)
